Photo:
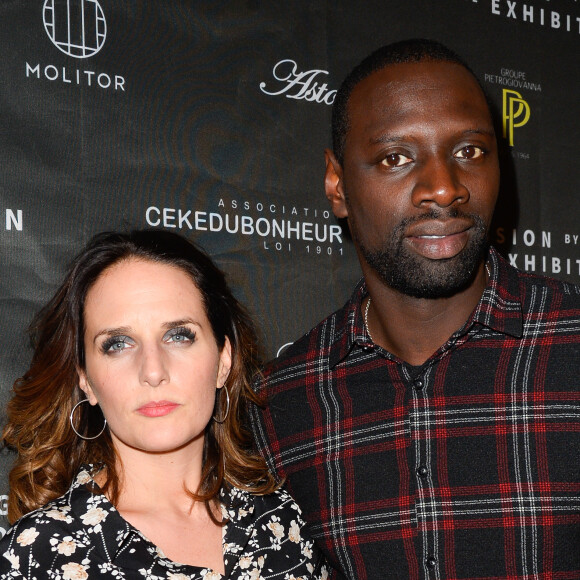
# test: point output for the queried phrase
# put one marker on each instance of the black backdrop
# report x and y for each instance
(210, 118)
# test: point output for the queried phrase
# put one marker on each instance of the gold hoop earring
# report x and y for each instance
(220, 421)
(73, 425)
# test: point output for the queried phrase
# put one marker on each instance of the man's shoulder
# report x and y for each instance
(566, 292)
(514, 284)
(300, 349)
(311, 348)
(547, 307)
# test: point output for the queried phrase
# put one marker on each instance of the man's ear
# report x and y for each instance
(85, 386)
(333, 185)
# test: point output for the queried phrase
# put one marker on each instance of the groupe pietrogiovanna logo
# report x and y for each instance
(76, 27)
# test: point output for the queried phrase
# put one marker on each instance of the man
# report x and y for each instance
(429, 428)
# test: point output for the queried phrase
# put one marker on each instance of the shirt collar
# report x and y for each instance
(500, 309)
(350, 327)
(109, 533)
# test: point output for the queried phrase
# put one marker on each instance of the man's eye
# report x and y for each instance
(470, 152)
(395, 160)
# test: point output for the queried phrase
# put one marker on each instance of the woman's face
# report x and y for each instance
(152, 362)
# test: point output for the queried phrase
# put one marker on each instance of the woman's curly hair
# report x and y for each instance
(39, 429)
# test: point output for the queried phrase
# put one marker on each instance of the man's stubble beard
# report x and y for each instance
(416, 276)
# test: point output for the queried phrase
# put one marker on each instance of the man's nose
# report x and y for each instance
(153, 366)
(438, 182)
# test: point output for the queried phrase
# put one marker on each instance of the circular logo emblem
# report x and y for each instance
(76, 27)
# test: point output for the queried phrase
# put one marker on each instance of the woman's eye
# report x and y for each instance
(469, 152)
(180, 335)
(115, 344)
(396, 160)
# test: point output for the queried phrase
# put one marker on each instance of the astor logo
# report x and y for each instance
(76, 27)
(299, 85)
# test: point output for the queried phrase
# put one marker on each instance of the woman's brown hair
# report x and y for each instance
(39, 429)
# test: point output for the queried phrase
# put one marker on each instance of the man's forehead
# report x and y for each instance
(409, 85)
(419, 75)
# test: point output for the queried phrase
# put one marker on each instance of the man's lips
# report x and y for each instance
(439, 240)
(157, 408)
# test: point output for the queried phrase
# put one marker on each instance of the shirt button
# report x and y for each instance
(418, 384)
(431, 562)
(422, 471)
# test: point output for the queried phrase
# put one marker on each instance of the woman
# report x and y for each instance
(133, 459)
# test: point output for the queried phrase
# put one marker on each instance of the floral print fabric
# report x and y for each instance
(81, 536)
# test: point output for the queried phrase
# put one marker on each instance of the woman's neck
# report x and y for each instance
(155, 497)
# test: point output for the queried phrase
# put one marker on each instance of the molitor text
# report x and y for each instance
(88, 78)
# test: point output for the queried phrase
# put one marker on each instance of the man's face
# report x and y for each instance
(419, 178)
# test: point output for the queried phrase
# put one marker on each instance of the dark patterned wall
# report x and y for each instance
(210, 118)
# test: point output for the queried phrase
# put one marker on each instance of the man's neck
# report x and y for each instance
(415, 328)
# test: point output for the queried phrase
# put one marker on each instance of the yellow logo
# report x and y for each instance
(514, 108)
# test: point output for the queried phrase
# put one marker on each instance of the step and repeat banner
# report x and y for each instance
(210, 119)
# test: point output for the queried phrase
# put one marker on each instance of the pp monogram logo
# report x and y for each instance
(76, 27)
(516, 113)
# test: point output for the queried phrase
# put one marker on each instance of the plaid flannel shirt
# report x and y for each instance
(465, 467)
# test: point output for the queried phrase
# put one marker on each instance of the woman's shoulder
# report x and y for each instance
(269, 531)
(39, 532)
(54, 515)
(56, 527)
(57, 513)
(279, 502)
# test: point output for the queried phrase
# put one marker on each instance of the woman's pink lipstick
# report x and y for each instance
(157, 408)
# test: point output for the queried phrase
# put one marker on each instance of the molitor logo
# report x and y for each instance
(516, 113)
(78, 28)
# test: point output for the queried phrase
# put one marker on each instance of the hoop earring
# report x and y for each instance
(73, 425)
(220, 421)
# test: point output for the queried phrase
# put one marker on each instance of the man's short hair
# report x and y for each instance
(405, 51)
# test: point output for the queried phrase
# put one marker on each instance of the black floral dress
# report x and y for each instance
(82, 536)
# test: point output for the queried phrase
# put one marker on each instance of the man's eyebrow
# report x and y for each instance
(480, 131)
(386, 139)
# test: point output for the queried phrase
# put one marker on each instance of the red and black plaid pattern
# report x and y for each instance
(465, 467)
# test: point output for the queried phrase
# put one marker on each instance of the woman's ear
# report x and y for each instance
(225, 364)
(86, 387)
